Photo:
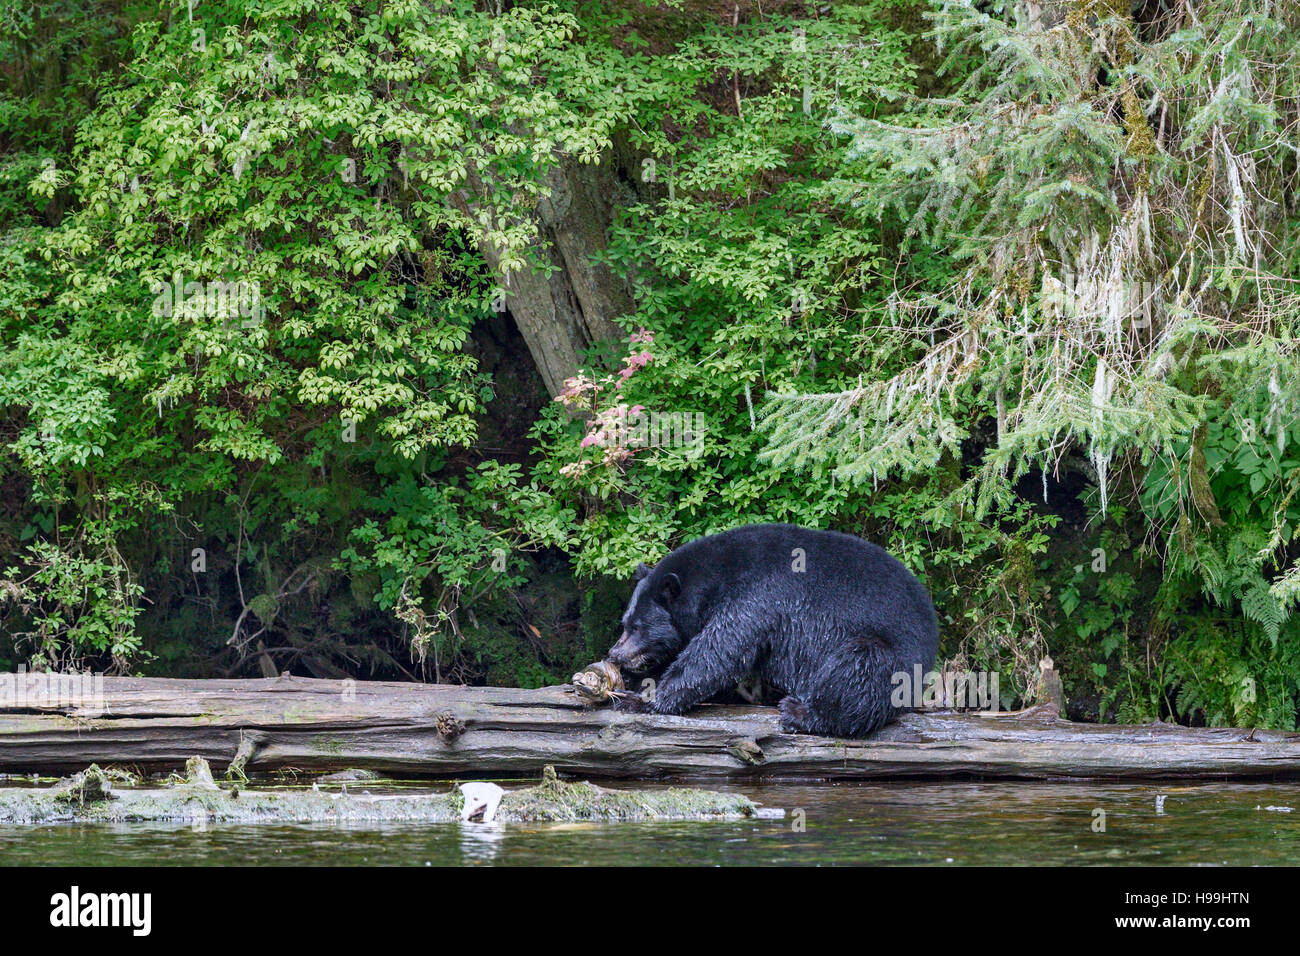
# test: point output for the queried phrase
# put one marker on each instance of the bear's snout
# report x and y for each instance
(624, 653)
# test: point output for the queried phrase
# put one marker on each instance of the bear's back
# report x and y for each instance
(810, 571)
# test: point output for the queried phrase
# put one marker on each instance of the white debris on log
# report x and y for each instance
(484, 797)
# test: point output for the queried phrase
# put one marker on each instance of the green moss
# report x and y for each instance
(555, 800)
(325, 744)
(89, 786)
(552, 800)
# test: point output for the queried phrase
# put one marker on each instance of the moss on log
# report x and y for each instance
(89, 798)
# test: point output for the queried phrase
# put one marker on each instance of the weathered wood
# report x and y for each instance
(441, 730)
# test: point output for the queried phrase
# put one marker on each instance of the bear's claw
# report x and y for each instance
(631, 703)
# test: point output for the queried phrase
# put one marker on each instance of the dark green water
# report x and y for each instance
(955, 824)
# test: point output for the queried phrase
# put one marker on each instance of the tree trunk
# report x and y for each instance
(565, 312)
(443, 730)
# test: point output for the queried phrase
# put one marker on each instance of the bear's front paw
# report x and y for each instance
(795, 715)
(631, 704)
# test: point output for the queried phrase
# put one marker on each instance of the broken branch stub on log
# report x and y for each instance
(441, 730)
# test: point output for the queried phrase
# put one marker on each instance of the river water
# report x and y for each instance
(952, 824)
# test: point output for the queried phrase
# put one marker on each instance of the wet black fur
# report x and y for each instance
(830, 637)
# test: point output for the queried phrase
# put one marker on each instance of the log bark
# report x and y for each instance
(423, 730)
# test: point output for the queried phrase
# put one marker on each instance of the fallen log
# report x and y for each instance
(90, 797)
(422, 730)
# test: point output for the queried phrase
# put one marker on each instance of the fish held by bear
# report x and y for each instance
(826, 617)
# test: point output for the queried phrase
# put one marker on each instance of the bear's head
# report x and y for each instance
(650, 638)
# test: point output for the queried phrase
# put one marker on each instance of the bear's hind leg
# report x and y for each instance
(829, 718)
(799, 716)
(796, 718)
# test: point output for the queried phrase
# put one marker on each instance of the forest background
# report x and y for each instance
(384, 338)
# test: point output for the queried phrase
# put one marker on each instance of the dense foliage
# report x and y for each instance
(1010, 289)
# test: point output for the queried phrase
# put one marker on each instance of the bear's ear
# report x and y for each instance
(642, 570)
(669, 588)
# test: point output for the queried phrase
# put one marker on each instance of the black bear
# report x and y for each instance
(827, 618)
